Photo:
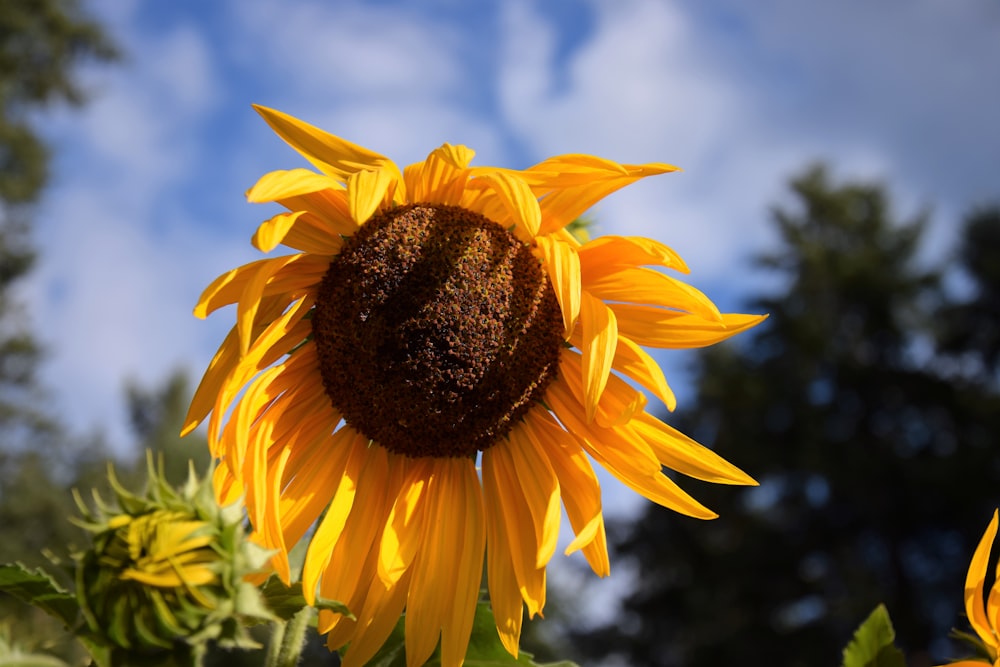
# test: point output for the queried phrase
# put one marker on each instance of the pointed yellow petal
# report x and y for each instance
(615, 445)
(975, 580)
(381, 611)
(579, 487)
(328, 153)
(358, 548)
(500, 485)
(633, 362)
(281, 335)
(441, 178)
(367, 192)
(679, 452)
(404, 528)
(563, 266)
(272, 231)
(469, 531)
(607, 254)
(329, 207)
(648, 286)
(655, 327)
(541, 490)
(330, 528)
(208, 389)
(570, 184)
(433, 586)
(513, 205)
(253, 292)
(284, 183)
(300, 230)
(599, 339)
(505, 596)
(618, 403)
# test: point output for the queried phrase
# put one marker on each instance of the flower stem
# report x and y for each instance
(288, 639)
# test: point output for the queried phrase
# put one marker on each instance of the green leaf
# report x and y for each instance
(286, 601)
(872, 644)
(31, 660)
(485, 648)
(39, 589)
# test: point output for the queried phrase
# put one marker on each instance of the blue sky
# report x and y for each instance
(146, 204)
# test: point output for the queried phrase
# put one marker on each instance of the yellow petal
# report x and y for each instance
(382, 609)
(328, 153)
(679, 452)
(330, 528)
(648, 286)
(563, 266)
(607, 254)
(221, 365)
(570, 184)
(433, 585)
(284, 183)
(975, 580)
(404, 528)
(635, 363)
(655, 327)
(618, 403)
(281, 335)
(616, 445)
(358, 548)
(541, 490)
(329, 207)
(599, 340)
(300, 230)
(468, 530)
(367, 192)
(514, 204)
(505, 596)
(578, 486)
(502, 491)
(441, 178)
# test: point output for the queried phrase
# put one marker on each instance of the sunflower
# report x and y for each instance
(985, 619)
(430, 319)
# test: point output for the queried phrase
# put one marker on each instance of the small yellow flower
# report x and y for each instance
(983, 611)
(431, 317)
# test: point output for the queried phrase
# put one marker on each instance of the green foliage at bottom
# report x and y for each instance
(873, 643)
(485, 648)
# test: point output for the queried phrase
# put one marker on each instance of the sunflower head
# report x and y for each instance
(166, 567)
(429, 318)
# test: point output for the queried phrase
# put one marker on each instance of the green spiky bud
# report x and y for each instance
(167, 569)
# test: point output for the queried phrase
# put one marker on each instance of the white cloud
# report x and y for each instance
(744, 97)
(112, 294)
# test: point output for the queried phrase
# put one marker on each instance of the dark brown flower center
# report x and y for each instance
(436, 330)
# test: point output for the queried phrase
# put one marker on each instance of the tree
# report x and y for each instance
(970, 329)
(157, 416)
(42, 42)
(876, 471)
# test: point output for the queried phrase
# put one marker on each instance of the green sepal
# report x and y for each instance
(873, 643)
(286, 601)
(38, 588)
(485, 648)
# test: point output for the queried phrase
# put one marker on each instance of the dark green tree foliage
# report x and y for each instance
(970, 329)
(877, 473)
(156, 416)
(42, 42)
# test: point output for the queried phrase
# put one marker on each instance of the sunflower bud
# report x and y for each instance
(165, 572)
